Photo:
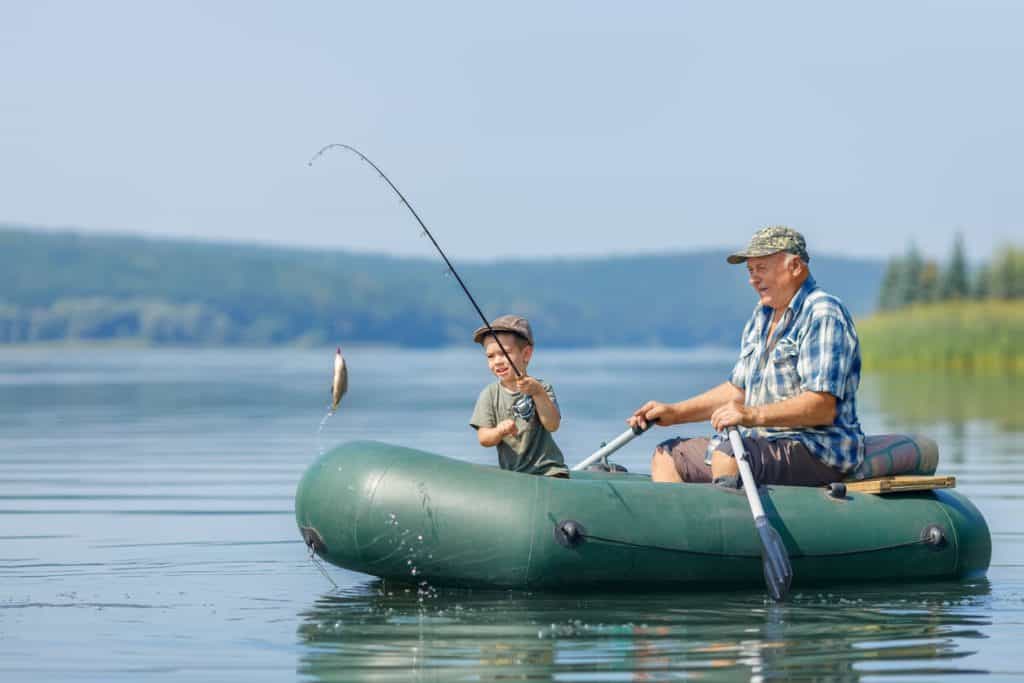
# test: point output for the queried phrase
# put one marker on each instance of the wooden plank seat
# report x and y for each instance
(899, 484)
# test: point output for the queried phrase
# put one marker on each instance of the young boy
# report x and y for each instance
(517, 414)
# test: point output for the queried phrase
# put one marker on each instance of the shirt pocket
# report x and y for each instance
(744, 370)
(785, 380)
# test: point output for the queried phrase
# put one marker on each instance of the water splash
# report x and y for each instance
(416, 551)
(320, 431)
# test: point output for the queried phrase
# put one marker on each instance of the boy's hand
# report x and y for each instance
(507, 428)
(528, 385)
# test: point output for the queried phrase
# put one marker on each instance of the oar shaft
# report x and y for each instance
(778, 573)
(746, 475)
(609, 448)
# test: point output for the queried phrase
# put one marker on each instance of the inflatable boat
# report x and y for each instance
(412, 516)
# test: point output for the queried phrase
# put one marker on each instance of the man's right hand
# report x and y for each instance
(649, 413)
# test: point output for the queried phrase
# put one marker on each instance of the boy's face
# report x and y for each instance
(518, 350)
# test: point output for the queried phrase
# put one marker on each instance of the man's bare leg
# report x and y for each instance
(723, 465)
(663, 468)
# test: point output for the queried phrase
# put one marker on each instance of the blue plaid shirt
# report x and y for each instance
(815, 349)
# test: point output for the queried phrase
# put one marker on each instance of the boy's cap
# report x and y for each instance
(507, 323)
(772, 240)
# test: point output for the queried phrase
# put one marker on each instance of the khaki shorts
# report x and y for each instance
(780, 461)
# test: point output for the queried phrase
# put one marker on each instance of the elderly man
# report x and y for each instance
(793, 386)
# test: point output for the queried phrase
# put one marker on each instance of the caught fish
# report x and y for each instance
(339, 385)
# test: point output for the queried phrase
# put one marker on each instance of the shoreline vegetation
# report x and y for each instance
(948, 318)
(964, 336)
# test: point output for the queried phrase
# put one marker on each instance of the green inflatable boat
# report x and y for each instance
(412, 516)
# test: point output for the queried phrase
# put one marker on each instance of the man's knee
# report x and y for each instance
(723, 465)
(663, 466)
(661, 458)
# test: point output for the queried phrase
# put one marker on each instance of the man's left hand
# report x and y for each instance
(731, 414)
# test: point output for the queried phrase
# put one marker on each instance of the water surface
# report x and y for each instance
(146, 530)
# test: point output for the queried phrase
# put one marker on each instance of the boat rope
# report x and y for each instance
(881, 548)
(319, 565)
(688, 551)
(646, 546)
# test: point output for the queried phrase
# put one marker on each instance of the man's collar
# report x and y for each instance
(806, 288)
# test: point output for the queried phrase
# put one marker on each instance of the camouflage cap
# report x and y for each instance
(515, 324)
(772, 240)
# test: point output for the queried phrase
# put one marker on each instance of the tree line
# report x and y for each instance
(911, 279)
(66, 286)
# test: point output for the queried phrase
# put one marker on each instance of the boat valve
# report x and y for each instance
(837, 489)
(569, 533)
(934, 536)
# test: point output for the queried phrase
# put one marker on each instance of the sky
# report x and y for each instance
(530, 129)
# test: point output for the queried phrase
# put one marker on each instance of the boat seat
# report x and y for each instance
(887, 455)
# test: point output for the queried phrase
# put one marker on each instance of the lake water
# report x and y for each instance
(146, 530)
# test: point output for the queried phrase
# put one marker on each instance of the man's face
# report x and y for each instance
(775, 278)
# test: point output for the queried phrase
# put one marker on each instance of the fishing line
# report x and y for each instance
(426, 231)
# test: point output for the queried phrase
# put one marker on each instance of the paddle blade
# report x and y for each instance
(778, 573)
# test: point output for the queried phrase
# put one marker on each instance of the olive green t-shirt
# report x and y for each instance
(533, 450)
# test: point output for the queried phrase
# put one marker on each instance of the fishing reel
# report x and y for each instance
(524, 408)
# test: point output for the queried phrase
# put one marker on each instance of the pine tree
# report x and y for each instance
(954, 280)
(929, 285)
(1016, 258)
(1003, 278)
(888, 295)
(982, 283)
(909, 290)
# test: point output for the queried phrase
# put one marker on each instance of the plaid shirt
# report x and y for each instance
(815, 349)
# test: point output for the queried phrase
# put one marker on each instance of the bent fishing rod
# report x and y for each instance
(426, 231)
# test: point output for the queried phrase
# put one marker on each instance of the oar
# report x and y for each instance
(778, 574)
(612, 446)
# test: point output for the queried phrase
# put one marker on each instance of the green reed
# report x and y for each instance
(985, 337)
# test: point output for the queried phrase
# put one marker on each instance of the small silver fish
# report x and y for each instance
(339, 385)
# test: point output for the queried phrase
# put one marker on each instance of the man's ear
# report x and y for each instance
(797, 266)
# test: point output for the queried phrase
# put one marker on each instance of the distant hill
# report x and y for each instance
(58, 286)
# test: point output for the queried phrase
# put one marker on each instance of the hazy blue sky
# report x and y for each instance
(526, 129)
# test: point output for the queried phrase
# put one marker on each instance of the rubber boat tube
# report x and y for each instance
(411, 516)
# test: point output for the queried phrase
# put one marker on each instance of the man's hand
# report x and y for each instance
(732, 414)
(528, 385)
(649, 413)
(507, 428)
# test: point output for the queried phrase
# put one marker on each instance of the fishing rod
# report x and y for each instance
(426, 231)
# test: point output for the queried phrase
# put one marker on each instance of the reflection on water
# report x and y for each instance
(147, 530)
(378, 632)
(927, 399)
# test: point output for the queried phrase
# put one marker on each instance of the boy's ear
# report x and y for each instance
(527, 352)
